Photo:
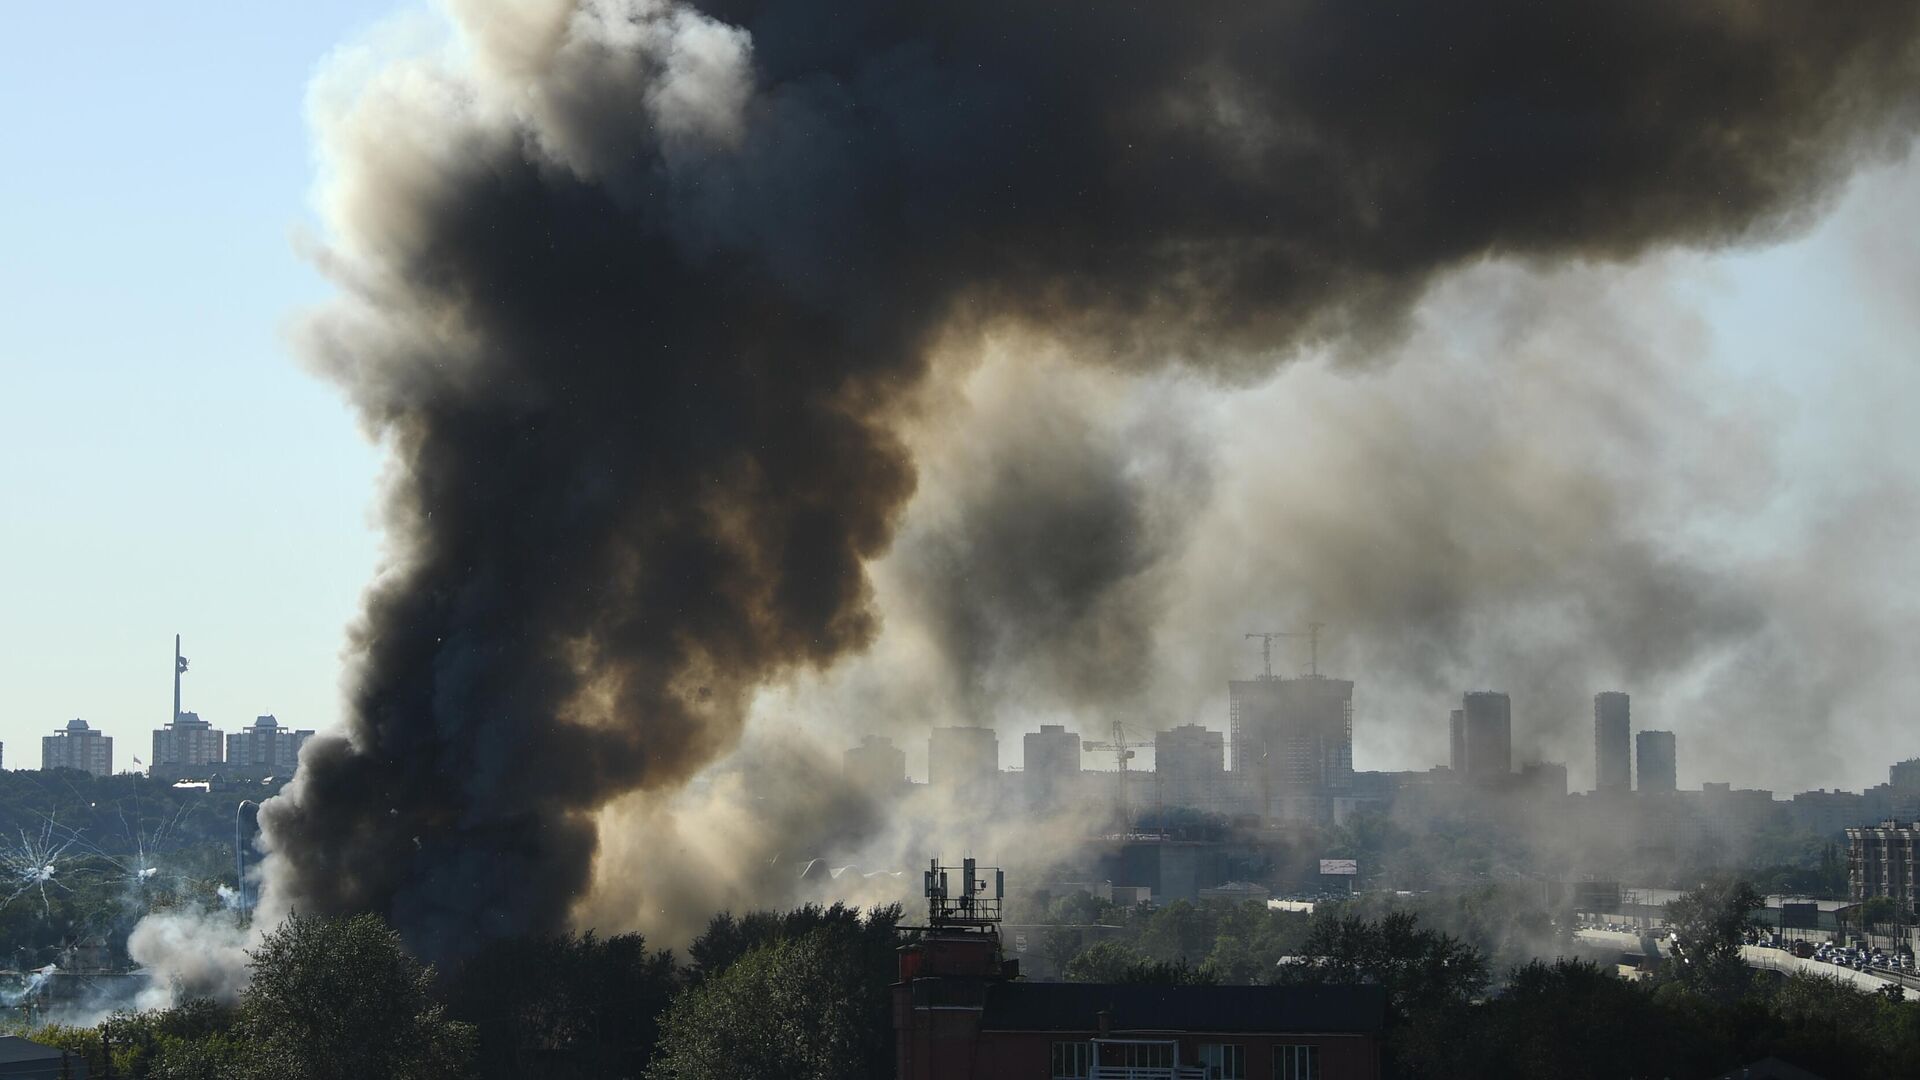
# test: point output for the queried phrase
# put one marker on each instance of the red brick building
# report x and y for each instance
(959, 1014)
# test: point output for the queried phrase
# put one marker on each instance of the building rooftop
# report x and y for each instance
(1034, 1006)
(76, 724)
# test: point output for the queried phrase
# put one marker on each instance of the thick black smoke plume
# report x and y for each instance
(635, 291)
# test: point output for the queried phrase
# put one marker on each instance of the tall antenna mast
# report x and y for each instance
(1313, 645)
(179, 668)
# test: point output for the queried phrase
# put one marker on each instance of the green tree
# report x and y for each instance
(1710, 924)
(1118, 962)
(1421, 969)
(341, 999)
(564, 1005)
(790, 1009)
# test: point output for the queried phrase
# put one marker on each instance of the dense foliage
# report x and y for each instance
(804, 994)
(82, 858)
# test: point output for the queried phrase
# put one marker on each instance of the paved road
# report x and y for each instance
(1774, 959)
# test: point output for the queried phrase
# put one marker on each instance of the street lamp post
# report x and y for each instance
(240, 855)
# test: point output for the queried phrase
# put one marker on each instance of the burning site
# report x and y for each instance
(1057, 504)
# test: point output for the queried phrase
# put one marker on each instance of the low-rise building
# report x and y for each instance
(1880, 862)
(960, 1014)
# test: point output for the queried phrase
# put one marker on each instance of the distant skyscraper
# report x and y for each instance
(1457, 742)
(876, 766)
(1050, 764)
(1612, 763)
(1655, 752)
(963, 761)
(1293, 739)
(1190, 765)
(1488, 722)
(77, 746)
(264, 749)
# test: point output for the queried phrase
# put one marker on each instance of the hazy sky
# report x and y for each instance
(171, 468)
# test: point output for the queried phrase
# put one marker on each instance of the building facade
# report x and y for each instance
(963, 761)
(960, 1013)
(77, 746)
(1880, 862)
(264, 749)
(1612, 725)
(1291, 741)
(1457, 742)
(1050, 763)
(1489, 735)
(876, 766)
(1190, 763)
(187, 749)
(1653, 751)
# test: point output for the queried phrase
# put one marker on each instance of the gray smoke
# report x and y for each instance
(641, 297)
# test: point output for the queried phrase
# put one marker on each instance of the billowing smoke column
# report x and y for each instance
(636, 291)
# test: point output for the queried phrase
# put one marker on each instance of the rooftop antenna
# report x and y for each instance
(179, 669)
(1313, 646)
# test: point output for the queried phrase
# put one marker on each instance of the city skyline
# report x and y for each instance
(193, 477)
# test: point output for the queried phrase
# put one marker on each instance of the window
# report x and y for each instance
(1136, 1055)
(1296, 1063)
(1224, 1061)
(1070, 1060)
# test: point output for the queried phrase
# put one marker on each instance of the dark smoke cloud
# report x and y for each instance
(635, 293)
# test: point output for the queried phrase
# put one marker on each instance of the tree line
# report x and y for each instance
(805, 994)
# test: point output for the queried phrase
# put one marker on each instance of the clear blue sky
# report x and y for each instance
(169, 467)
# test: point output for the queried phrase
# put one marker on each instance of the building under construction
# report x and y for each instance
(1291, 744)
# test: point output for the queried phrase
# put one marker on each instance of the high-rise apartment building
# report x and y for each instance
(876, 766)
(1612, 765)
(264, 749)
(187, 749)
(963, 761)
(1292, 741)
(77, 746)
(1190, 765)
(1050, 765)
(1488, 723)
(1654, 753)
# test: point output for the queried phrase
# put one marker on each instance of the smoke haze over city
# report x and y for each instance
(676, 320)
(748, 380)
